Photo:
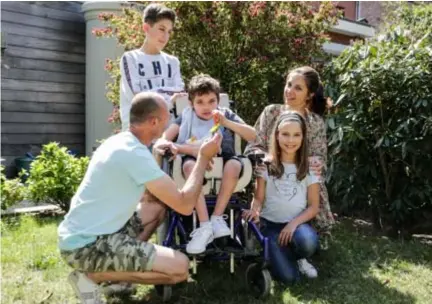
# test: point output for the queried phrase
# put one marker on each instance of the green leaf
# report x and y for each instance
(341, 97)
(331, 123)
(379, 142)
(404, 150)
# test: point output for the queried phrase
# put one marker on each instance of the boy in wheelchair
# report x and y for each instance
(197, 122)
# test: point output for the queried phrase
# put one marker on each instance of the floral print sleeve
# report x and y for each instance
(317, 142)
(317, 138)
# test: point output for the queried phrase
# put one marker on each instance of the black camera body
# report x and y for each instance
(256, 159)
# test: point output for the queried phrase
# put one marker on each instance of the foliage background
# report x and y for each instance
(248, 46)
(55, 176)
(380, 132)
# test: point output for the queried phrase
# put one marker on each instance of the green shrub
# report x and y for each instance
(380, 134)
(55, 176)
(12, 191)
(248, 46)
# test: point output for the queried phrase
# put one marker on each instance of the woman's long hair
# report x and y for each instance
(276, 167)
(318, 103)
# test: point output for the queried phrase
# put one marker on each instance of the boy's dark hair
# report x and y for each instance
(144, 106)
(203, 84)
(155, 12)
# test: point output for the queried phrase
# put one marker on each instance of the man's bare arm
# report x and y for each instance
(184, 200)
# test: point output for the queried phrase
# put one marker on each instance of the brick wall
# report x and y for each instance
(372, 11)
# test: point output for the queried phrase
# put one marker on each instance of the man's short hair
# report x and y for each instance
(203, 84)
(155, 12)
(145, 105)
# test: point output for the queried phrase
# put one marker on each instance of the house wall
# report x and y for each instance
(372, 11)
(42, 77)
(348, 9)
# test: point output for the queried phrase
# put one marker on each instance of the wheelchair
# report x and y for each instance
(246, 243)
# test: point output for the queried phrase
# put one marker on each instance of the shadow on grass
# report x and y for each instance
(345, 276)
(48, 218)
(345, 273)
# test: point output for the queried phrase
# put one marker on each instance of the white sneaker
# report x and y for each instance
(201, 237)
(307, 269)
(220, 227)
(119, 288)
(85, 289)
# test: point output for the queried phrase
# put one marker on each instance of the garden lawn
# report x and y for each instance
(359, 267)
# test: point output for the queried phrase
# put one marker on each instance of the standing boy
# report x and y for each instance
(148, 68)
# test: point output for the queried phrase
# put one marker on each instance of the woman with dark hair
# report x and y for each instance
(303, 93)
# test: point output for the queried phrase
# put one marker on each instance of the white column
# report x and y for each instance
(98, 108)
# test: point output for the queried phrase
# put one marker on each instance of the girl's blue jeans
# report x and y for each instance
(283, 259)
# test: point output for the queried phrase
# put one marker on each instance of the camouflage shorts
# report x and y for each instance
(120, 251)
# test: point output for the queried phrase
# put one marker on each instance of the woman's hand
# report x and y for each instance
(251, 215)
(287, 233)
(315, 165)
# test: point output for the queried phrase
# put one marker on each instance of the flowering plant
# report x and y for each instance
(248, 46)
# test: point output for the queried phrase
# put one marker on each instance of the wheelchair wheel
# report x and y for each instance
(164, 291)
(259, 280)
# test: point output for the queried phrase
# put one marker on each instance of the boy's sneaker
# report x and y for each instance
(85, 289)
(201, 237)
(307, 269)
(220, 227)
(119, 288)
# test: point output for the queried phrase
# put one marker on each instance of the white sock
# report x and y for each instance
(206, 224)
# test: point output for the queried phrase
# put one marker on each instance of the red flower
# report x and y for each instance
(97, 32)
(256, 8)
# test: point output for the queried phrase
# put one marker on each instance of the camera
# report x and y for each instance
(256, 159)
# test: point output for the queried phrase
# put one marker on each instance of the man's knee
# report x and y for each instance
(162, 215)
(180, 270)
(152, 212)
(175, 279)
(182, 264)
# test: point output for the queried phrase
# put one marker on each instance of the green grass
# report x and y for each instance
(359, 267)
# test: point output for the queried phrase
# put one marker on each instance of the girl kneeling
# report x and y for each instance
(286, 199)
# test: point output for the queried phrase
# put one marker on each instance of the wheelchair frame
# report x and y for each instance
(173, 234)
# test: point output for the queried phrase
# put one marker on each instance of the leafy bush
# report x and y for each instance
(55, 176)
(380, 133)
(248, 46)
(12, 191)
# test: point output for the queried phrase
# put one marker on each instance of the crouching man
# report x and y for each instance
(102, 237)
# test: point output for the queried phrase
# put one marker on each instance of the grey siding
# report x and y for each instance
(42, 77)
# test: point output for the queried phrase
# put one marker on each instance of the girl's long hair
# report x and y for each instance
(276, 167)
